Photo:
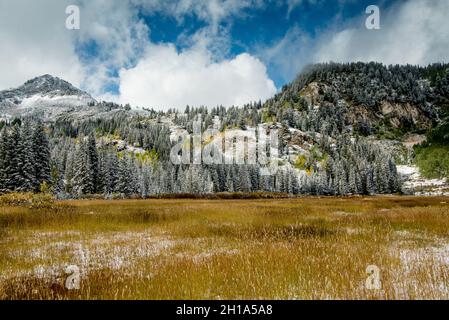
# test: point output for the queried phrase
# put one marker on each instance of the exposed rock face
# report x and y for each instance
(396, 115)
(387, 108)
(311, 93)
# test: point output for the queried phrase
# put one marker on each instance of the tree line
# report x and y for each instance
(76, 167)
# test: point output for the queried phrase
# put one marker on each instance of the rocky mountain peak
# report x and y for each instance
(45, 85)
(46, 95)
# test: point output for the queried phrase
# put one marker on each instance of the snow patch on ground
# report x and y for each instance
(434, 259)
(115, 250)
(415, 183)
(38, 101)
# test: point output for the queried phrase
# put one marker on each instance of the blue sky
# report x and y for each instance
(163, 54)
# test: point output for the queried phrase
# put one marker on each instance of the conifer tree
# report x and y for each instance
(41, 154)
(27, 164)
(82, 179)
(93, 162)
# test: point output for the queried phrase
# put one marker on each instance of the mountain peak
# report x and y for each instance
(45, 85)
(48, 85)
(44, 78)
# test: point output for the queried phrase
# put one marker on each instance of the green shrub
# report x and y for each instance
(433, 161)
(432, 157)
(440, 134)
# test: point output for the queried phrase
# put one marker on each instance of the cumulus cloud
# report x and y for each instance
(414, 32)
(165, 78)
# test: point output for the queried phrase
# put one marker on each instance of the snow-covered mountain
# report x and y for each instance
(46, 95)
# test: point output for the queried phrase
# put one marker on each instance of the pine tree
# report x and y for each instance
(293, 184)
(124, 183)
(13, 160)
(27, 159)
(69, 173)
(244, 179)
(82, 179)
(208, 184)
(229, 185)
(41, 154)
(111, 173)
(352, 187)
(93, 163)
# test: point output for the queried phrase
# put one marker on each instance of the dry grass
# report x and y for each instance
(308, 248)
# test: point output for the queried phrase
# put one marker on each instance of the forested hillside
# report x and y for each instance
(334, 122)
(371, 98)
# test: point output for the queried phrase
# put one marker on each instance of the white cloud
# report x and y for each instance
(165, 78)
(414, 32)
(34, 41)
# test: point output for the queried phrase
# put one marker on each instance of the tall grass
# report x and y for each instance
(308, 248)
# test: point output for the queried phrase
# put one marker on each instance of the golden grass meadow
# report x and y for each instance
(301, 248)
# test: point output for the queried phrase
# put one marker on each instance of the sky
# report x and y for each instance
(169, 54)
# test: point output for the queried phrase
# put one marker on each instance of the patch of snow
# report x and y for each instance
(415, 183)
(38, 101)
(407, 170)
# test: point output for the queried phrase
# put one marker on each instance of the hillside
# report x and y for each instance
(370, 98)
(343, 129)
